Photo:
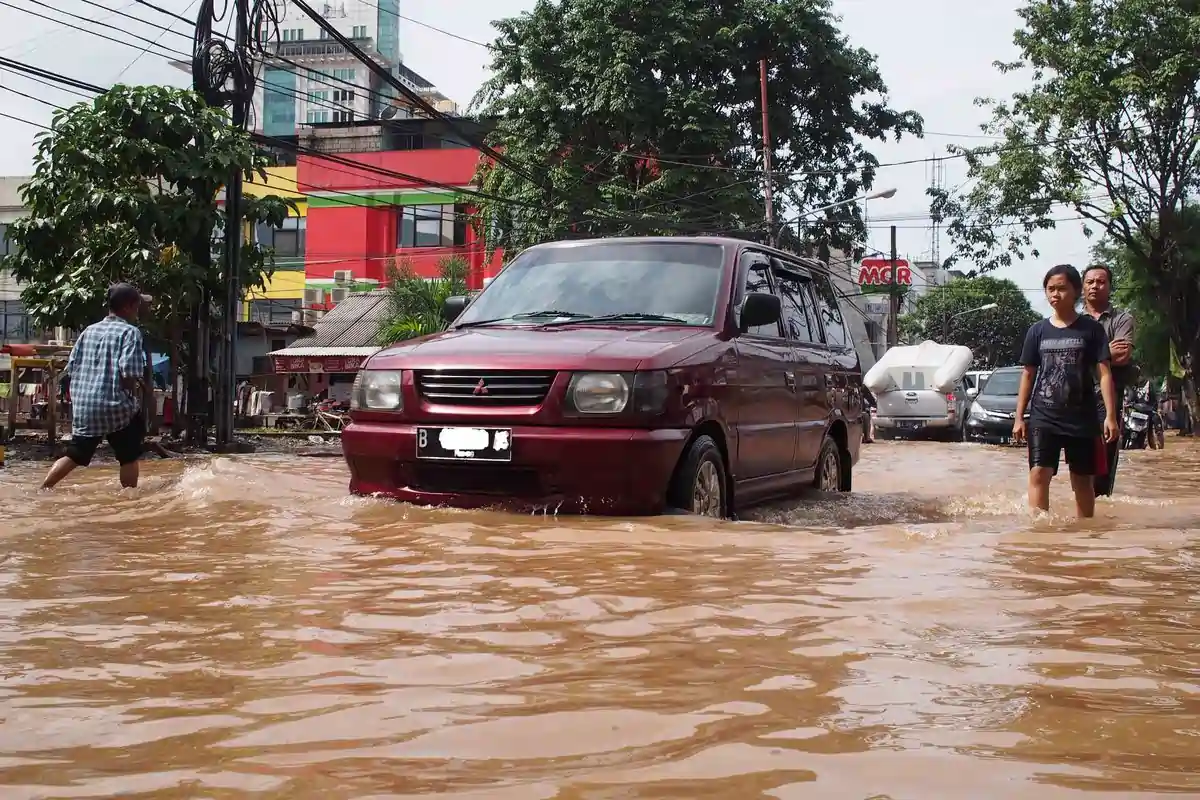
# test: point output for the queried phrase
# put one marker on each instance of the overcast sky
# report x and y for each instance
(935, 57)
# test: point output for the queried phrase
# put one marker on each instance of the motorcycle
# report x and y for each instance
(1141, 421)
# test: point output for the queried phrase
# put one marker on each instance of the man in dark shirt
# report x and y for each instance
(1061, 355)
(1119, 326)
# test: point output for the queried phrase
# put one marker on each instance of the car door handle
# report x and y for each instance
(829, 382)
(789, 379)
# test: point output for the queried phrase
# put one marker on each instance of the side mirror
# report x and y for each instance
(972, 393)
(758, 309)
(453, 307)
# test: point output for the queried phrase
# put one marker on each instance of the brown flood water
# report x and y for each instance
(241, 629)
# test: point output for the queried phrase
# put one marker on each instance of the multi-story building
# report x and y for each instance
(15, 327)
(309, 78)
(409, 204)
(284, 292)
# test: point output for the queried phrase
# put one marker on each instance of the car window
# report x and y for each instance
(1002, 384)
(758, 271)
(677, 279)
(836, 334)
(799, 315)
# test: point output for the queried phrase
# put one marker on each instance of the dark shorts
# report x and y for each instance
(126, 444)
(1086, 455)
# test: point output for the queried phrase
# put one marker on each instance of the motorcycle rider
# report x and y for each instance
(1119, 324)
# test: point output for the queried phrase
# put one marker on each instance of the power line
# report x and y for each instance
(149, 42)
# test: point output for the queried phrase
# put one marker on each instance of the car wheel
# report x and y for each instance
(700, 483)
(828, 477)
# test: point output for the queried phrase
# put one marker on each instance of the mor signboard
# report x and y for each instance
(318, 364)
(875, 275)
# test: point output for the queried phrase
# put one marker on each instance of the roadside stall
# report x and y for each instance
(32, 396)
(319, 383)
(321, 368)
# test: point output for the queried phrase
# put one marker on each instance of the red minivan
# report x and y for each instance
(619, 376)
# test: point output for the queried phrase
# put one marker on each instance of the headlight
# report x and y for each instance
(599, 393)
(977, 411)
(377, 390)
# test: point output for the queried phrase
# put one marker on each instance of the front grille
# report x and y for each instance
(482, 388)
(477, 479)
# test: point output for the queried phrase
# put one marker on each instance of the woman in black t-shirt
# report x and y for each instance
(1061, 355)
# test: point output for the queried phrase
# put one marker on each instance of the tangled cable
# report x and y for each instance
(223, 75)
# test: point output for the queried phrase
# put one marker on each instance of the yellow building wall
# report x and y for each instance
(280, 181)
(285, 284)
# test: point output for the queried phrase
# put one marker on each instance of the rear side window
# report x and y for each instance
(758, 279)
(836, 334)
(799, 315)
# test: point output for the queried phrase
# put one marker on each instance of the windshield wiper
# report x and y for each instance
(628, 317)
(524, 315)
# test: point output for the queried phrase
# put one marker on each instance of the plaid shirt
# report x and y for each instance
(105, 353)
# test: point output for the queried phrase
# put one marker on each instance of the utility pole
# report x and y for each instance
(225, 391)
(893, 331)
(769, 191)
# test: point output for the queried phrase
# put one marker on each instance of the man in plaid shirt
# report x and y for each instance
(106, 369)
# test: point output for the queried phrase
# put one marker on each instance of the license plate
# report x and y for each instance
(912, 425)
(464, 444)
(1138, 415)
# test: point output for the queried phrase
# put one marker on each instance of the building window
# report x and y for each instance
(324, 33)
(288, 240)
(314, 117)
(345, 75)
(343, 96)
(360, 32)
(273, 312)
(5, 250)
(293, 35)
(432, 226)
(343, 116)
(319, 97)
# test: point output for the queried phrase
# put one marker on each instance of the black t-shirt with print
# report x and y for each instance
(1065, 393)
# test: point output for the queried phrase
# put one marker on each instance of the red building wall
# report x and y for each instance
(353, 214)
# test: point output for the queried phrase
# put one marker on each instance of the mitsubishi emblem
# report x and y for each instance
(481, 388)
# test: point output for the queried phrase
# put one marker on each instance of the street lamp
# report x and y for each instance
(883, 194)
(952, 317)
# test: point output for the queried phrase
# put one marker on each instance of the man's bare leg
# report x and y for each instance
(61, 469)
(1039, 488)
(1084, 487)
(129, 475)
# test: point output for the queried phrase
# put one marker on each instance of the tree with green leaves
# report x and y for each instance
(127, 188)
(948, 314)
(1132, 289)
(1108, 133)
(628, 117)
(415, 303)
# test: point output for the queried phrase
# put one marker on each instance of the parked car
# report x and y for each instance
(994, 409)
(975, 381)
(623, 376)
(920, 391)
(913, 413)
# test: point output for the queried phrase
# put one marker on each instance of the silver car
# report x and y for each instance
(913, 410)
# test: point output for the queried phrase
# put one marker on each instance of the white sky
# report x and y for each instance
(935, 57)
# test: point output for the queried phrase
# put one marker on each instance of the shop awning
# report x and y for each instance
(321, 359)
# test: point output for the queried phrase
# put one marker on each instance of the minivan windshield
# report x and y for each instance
(635, 282)
(1003, 383)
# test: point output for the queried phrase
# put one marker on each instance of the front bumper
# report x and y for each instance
(989, 429)
(569, 469)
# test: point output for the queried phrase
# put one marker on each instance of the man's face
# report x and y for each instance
(1096, 288)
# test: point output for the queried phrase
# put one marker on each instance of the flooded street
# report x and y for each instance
(239, 628)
